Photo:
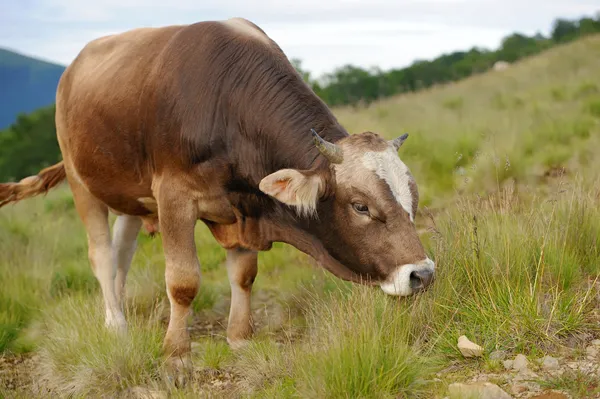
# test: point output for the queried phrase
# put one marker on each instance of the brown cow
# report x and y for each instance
(209, 121)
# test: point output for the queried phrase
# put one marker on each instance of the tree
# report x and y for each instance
(589, 25)
(28, 145)
(564, 30)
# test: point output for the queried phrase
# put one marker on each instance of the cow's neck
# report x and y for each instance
(276, 134)
(277, 124)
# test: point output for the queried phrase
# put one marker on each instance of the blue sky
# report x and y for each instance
(324, 34)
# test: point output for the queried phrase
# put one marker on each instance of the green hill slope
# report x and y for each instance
(539, 117)
(26, 84)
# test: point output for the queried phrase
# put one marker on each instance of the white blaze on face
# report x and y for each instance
(388, 166)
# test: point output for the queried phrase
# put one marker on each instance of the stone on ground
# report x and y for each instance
(468, 348)
(591, 352)
(550, 395)
(520, 362)
(479, 390)
(549, 363)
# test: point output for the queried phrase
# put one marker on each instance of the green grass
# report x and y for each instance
(361, 347)
(511, 277)
(517, 251)
(577, 383)
(80, 357)
(461, 135)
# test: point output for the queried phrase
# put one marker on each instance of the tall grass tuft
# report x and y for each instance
(512, 274)
(80, 357)
(360, 346)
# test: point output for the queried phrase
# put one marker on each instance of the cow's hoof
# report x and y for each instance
(236, 344)
(178, 370)
(116, 323)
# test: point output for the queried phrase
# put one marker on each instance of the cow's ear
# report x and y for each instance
(298, 188)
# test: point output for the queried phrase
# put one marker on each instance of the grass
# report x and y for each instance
(578, 383)
(508, 172)
(72, 364)
(502, 126)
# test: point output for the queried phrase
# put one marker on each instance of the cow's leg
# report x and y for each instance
(94, 215)
(241, 269)
(125, 232)
(177, 218)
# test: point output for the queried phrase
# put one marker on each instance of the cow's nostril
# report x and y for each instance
(420, 279)
(415, 281)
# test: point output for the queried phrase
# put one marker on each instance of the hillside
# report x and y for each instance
(507, 163)
(26, 84)
(521, 125)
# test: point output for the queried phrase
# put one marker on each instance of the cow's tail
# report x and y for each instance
(33, 185)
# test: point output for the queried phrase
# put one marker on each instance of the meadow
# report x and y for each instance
(507, 164)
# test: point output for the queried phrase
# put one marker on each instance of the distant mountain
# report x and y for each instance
(26, 84)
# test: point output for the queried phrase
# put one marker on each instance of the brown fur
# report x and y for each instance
(183, 123)
(183, 295)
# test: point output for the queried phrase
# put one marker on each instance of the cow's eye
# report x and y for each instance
(361, 208)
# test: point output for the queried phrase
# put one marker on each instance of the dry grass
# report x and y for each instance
(512, 125)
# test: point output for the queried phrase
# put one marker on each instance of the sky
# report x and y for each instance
(323, 34)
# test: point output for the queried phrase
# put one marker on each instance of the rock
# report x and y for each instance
(468, 348)
(520, 363)
(550, 395)
(480, 390)
(591, 352)
(549, 363)
(525, 375)
(573, 365)
(588, 367)
(518, 389)
(497, 355)
(524, 386)
(508, 364)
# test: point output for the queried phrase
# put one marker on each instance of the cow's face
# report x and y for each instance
(368, 222)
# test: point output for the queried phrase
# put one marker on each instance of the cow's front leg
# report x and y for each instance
(177, 218)
(241, 269)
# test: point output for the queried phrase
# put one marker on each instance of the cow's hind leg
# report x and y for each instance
(125, 232)
(241, 269)
(94, 215)
(177, 218)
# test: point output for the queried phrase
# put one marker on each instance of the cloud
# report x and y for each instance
(324, 34)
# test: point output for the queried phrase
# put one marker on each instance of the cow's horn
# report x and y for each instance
(330, 150)
(398, 141)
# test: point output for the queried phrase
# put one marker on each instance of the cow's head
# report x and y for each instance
(361, 209)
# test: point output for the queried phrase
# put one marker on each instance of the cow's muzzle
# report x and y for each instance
(410, 278)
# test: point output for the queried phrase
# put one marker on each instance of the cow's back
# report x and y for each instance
(101, 114)
(136, 104)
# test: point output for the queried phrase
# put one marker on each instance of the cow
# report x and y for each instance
(210, 122)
